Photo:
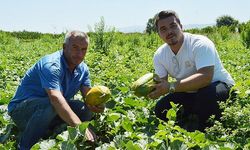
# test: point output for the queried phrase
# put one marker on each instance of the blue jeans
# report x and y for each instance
(202, 104)
(34, 117)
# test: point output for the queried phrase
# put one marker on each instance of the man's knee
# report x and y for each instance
(217, 91)
(81, 110)
(207, 92)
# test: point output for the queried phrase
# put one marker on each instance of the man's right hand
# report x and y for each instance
(90, 135)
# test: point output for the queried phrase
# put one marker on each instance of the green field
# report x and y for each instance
(116, 60)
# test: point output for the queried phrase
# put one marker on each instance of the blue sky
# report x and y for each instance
(56, 16)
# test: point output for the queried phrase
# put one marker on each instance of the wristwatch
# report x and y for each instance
(171, 87)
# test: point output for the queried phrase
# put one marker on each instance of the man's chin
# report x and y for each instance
(77, 63)
(172, 43)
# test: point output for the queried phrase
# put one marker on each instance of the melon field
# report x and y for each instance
(116, 60)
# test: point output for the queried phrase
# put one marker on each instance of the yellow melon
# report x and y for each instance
(98, 95)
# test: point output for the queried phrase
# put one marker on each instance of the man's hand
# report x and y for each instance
(97, 108)
(90, 135)
(161, 88)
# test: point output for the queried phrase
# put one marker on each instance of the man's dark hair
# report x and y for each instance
(165, 14)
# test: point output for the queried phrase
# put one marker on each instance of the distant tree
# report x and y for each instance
(150, 28)
(242, 26)
(226, 20)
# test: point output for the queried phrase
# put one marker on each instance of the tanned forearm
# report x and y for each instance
(202, 78)
(62, 108)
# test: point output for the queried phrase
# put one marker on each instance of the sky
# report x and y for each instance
(57, 16)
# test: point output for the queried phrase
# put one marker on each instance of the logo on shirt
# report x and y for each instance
(187, 64)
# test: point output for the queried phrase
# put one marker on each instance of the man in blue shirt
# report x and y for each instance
(44, 97)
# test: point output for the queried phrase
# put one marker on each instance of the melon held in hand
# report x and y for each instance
(98, 95)
(145, 84)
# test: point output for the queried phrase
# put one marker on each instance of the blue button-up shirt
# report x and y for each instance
(51, 72)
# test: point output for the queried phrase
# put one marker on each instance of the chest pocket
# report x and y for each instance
(188, 64)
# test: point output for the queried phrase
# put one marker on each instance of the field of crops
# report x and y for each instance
(116, 60)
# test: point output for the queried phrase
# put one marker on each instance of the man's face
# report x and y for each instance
(170, 30)
(75, 51)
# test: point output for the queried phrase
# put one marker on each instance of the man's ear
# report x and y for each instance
(181, 26)
(64, 45)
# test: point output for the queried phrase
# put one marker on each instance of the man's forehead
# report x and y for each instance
(169, 20)
(78, 39)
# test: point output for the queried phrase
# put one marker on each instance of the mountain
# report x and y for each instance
(199, 26)
(141, 28)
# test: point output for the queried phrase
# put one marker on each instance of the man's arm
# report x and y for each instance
(62, 108)
(200, 79)
(66, 113)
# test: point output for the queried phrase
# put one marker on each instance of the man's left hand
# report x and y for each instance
(97, 108)
(161, 88)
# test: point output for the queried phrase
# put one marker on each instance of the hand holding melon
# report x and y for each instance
(145, 84)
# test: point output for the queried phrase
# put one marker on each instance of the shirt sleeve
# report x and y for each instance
(159, 68)
(50, 76)
(204, 54)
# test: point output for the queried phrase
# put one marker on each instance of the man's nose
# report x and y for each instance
(169, 32)
(80, 53)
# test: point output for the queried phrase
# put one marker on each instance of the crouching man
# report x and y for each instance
(43, 100)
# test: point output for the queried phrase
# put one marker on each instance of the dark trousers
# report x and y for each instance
(203, 104)
(35, 117)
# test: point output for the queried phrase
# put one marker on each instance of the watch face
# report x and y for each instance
(171, 88)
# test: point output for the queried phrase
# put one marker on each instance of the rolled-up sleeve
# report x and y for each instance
(50, 76)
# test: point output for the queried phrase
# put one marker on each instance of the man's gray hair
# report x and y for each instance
(75, 33)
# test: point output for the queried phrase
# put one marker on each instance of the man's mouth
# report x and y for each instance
(170, 37)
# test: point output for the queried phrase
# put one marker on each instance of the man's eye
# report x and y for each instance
(163, 29)
(174, 26)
